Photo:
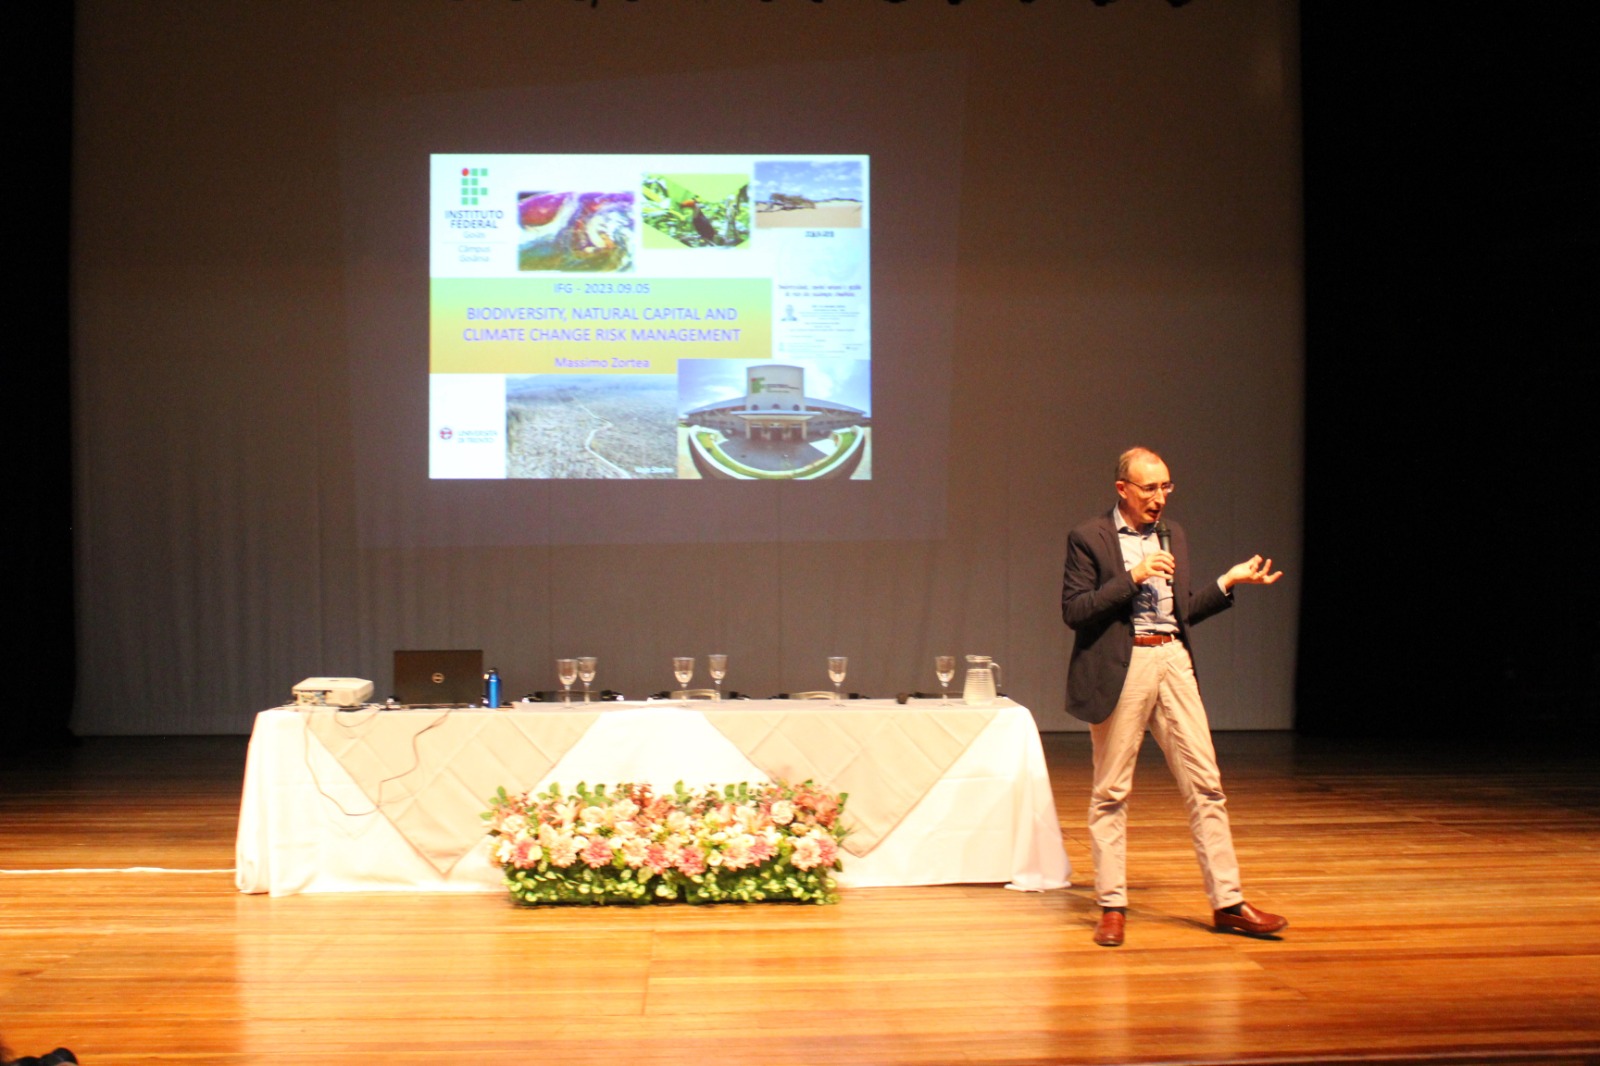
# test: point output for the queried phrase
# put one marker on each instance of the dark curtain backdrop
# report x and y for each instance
(1118, 192)
(1129, 269)
(1453, 251)
(38, 520)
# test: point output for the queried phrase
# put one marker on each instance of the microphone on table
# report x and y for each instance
(1164, 535)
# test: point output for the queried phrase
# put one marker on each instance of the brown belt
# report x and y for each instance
(1153, 640)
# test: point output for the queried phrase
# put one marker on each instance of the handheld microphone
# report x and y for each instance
(1164, 536)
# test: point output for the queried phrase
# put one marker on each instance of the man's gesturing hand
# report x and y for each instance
(1253, 571)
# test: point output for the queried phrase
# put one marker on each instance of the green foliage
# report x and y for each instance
(692, 220)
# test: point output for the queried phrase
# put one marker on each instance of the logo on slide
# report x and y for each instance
(445, 432)
(474, 185)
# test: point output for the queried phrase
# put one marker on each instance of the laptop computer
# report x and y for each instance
(439, 678)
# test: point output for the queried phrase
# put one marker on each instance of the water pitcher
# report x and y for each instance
(982, 675)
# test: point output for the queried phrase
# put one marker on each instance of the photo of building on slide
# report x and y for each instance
(591, 426)
(576, 231)
(808, 195)
(805, 420)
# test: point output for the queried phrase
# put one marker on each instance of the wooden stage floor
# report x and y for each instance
(1445, 909)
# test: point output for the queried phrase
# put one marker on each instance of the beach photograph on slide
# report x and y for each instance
(799, 194)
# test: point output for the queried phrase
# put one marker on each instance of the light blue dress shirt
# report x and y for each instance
(1152, 604)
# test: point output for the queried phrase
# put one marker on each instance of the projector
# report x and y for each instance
(332, 692)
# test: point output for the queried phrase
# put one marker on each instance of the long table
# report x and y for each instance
(369, 799)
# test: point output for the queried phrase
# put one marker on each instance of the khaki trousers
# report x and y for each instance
(1160, 695)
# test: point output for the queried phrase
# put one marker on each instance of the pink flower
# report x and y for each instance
(736, 854)
(563, 850)
(658, 860)
(762, 850)
(526, 853)
(830, 850)
(807, 853)
(598, 853)
(633, 850)
(692, 860)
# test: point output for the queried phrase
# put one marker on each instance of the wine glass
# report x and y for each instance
(567, 671)
(945, 667)
(719, 670)
(836, 665)
(683, 669)
(586, 668)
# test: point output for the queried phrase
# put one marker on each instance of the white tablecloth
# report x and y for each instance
(306, 825)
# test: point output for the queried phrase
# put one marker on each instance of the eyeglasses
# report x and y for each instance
(1165, 488)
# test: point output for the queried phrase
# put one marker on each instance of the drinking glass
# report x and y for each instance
(719, 670)
(567, 671)
(683, 669)
(945, 667)
(836, 665)
(586, 668)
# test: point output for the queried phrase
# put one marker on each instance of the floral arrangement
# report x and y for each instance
(769, 841)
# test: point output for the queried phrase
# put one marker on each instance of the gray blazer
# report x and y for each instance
(1097, 603)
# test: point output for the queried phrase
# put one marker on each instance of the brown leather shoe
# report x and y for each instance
(1108, 930)
(1249, 921)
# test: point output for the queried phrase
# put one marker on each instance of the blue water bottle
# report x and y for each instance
(491, 695)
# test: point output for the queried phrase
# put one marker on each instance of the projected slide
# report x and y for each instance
(650, 316)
